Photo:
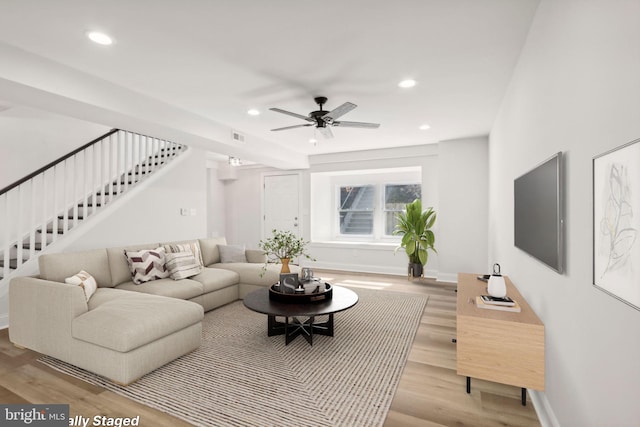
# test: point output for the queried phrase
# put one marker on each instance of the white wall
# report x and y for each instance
(152, 213)
(575, 89)
(463, 207)
(454, 183)
(31, 138)
(243, 202)
(216, 210)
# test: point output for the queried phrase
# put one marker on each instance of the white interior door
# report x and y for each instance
(281, 204)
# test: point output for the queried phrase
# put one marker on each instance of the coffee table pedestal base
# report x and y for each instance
(293, 326)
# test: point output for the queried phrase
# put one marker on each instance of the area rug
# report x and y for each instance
(241, 377)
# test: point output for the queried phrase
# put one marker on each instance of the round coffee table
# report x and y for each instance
(293, 314)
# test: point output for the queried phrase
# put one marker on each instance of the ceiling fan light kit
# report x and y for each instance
(323, 119)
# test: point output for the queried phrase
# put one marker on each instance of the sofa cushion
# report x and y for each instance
(209, 248)
(147, 265)
(131, 321)
(250, 273)
(182, 265)
(213, 279)
(118, 265)
(192, 246)
(85, 281)
(257, 256)
(231, 253)
(103, 295)
(183, 289)
(57, 267)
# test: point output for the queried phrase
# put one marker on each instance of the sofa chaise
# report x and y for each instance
(125, 330)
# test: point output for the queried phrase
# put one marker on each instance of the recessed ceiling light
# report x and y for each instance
(424, 127)
(407, 83)
(312, 141)
(100, 38)
(253, 112)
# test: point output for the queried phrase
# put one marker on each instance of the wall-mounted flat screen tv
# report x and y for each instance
(538, 213)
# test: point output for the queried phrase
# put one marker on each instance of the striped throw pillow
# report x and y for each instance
(193, 247)
(85, 281)
(182, 265)
(147, 265)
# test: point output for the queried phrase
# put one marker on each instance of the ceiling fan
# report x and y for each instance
(322, 119)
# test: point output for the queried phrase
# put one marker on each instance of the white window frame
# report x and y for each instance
(379, 211)
(384, 210)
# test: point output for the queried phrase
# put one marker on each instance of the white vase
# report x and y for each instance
(497, 286)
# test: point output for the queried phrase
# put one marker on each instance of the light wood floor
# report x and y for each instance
(429, 394)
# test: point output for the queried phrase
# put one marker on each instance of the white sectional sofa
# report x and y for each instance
(125, 330)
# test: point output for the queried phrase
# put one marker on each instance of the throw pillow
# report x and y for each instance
(146, 265)
(85, 281)
(193, 247)
(232, 253)
(182, 265)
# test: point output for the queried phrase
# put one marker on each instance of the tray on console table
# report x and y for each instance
(302, 297)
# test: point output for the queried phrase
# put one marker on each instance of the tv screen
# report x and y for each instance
(538, 216)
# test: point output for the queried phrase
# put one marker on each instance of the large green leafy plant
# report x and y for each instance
(415, 227)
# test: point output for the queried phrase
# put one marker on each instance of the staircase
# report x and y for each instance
(358, 219)
(43, 207)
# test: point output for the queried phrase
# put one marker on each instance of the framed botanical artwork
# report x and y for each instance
(616, 223)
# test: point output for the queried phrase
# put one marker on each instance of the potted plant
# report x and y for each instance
(281, 247)
(417, 237)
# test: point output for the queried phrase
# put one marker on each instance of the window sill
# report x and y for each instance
(338, 244)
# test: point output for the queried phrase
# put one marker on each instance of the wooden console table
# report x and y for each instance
(498, 346)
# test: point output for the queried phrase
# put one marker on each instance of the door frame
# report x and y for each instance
(263, 175)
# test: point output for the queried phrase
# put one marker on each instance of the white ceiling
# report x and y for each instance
(216, 59)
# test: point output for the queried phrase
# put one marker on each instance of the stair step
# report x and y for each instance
(13, 263)
(37, 246)
(50, 230)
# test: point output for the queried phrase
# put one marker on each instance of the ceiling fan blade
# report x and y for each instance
(326, 132)
(339, 111)
(289, 113)
(293, 127)
(357, 125)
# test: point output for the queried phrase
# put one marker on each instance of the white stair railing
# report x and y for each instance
(39, 209)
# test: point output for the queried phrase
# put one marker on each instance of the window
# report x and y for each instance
(357, 205)
(370, 210)
(396, 196)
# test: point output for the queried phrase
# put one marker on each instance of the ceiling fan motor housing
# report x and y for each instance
(323, 118)
(320, 100)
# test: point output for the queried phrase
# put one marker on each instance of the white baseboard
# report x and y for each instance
(545, 413)
(358, 268)
(378, 269)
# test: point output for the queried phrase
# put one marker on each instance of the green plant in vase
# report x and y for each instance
(414, 226)
(281, 247)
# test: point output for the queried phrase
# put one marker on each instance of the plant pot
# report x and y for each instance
(285, 265)
(415, 270)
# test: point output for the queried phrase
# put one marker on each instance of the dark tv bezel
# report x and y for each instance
(559, 212)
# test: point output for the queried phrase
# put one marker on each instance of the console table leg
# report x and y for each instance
(468, 385)
(524, 396)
